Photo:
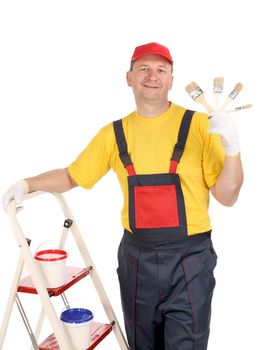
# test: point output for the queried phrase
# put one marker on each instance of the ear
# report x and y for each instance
(129, 78)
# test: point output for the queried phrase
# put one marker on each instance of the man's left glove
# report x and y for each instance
(222, 123)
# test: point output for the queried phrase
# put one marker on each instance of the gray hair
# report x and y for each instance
(132, 64)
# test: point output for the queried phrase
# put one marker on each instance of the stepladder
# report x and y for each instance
(29, 280)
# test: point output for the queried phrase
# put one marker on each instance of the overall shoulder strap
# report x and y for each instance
(181, 141)
(122, 146)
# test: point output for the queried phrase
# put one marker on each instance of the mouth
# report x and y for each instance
(150, 86)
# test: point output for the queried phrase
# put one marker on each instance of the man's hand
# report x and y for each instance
(17, 192)
(222, 123)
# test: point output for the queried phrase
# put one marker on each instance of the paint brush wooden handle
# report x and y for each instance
(240, 108)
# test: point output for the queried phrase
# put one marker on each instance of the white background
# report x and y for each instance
(62, 77)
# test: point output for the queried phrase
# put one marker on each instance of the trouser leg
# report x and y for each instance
(149, 317)
(187, 310)
(166, 296)
(137, 274)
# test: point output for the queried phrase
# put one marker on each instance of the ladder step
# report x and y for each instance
(99, 332)
(73, 275)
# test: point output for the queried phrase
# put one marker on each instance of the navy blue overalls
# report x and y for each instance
(166, 277)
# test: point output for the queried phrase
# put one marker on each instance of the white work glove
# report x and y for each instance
(17, 192)
(222, 123)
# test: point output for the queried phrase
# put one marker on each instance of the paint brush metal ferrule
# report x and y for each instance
(196, 93)
(233, 94)
(217, 89)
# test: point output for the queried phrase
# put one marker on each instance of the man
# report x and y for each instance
(166, 159)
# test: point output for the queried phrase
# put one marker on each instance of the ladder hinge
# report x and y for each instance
(68, 223)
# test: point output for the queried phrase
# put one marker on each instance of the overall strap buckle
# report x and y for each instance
(177, 152)
(126, 160)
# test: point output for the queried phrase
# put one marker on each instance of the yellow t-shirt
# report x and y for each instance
(150, 144)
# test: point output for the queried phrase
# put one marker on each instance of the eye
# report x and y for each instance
(162, 70)
(143, 69)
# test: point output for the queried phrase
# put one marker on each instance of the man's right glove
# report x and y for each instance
(17, 192)
(223, 124)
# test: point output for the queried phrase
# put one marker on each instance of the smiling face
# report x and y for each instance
(151, 79)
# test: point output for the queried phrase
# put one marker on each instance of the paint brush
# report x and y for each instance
(240, 108)
(235, 91)
(218, 84)
(197, 94)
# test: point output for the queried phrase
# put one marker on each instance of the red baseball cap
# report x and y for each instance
(151, 49)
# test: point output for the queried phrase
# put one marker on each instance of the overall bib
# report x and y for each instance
(166, 277)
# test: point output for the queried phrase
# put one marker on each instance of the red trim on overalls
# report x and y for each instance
(173, 166)
(130, 169)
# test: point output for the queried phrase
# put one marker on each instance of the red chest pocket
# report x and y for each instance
(156, 206)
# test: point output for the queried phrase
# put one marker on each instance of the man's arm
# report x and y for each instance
(57, 180)
(229, 182)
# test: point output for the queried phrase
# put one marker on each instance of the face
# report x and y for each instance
(151, 78)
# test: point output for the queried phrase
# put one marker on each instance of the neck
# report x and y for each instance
(151, 110)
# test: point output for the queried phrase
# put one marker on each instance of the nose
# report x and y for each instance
(151, 74)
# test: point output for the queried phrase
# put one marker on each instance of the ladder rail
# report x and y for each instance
(38, 279)
(10, 301)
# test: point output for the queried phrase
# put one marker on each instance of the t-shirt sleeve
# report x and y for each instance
(93, 162)
(213, 154)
